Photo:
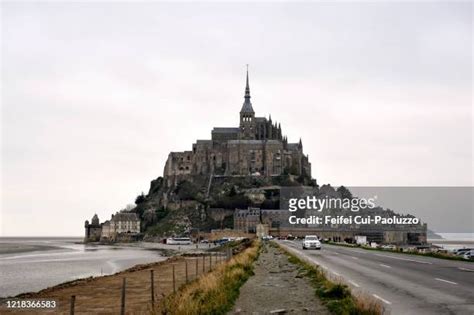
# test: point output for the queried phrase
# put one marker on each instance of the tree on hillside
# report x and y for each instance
(344, 192)
(140, 198)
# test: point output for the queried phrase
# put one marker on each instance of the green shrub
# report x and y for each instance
(338, 291)
(186, 190)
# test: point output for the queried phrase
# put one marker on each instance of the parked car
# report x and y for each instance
(311, 241)
(469, 254)
(222, 241)
(462, 251)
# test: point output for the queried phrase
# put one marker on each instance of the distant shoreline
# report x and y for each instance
(19, 248)
(447, 242)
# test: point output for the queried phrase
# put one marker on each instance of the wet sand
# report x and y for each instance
(16, 248)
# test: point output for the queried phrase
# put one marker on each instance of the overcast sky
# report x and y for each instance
(95, 95)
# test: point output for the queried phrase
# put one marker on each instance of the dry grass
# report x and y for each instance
(367, 304)
(215, 292)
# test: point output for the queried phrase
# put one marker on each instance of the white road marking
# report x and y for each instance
(326, 268)
(316, 262)
(447, 281)
(466, 269)
(406, 259)
(386, 266)
(353, 283)
(355, 257)
(381, 299)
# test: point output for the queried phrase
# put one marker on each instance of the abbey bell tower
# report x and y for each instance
(247, 116)
(256, 147)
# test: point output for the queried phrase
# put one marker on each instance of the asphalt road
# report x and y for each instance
(405, 284)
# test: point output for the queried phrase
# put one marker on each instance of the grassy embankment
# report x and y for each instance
(215, 292)
(434, 255)
(337, 297)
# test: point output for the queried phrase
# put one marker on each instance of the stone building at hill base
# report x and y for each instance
(122, 226)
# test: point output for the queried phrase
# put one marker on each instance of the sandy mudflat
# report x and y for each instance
(15, 248)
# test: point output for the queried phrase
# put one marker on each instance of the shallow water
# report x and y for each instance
(452, 241)
(62, 260)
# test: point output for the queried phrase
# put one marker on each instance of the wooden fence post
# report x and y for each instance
(186, 265)
(122, 306)
(174, 280)
(197, 267)
(152, 278)
(73, 301)
(203, 263)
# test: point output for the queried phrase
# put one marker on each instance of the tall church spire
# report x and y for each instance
(247, 106)
(247, 87)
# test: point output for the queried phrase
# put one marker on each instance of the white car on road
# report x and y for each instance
(311, 241)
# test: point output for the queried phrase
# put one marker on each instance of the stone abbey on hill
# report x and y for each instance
(257, 147)
(243, 178)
